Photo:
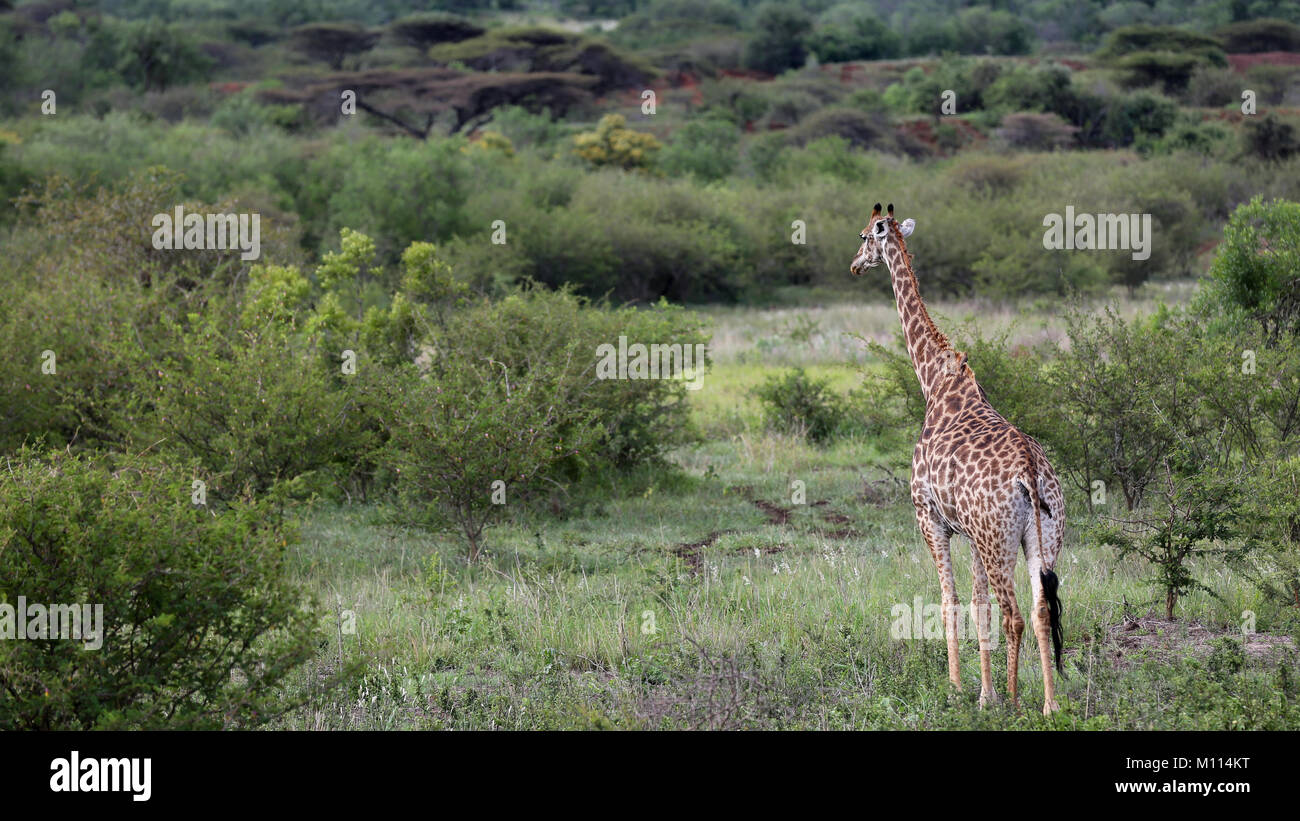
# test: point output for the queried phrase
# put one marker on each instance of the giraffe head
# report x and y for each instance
(880, 229)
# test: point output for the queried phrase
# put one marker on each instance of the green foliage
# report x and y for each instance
(1146, 38)
(255, 407)
(460, 431)
(398, 193)
(705, 149)
(1271, 139)
(200, 624)
(1264, 34)
(424, 30)
(778, 41)
(559, 335)
(332, 43)
(1196, 515)
(1257, 267)
(797, 403)
(849, 31)
(613, 143)
(155, 55)
(1170, 71)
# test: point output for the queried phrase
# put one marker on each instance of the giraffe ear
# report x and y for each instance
(907, 226)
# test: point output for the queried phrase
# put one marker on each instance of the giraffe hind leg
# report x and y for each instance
(981, 617)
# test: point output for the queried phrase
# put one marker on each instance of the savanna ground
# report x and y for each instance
(703, 596)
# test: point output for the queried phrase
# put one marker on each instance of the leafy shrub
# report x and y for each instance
(1141, 112)
(1145, 38)
(255, 408)
(1210, 86)
(1128, 387)
(1029, 89)
(1171, 72)
(848, 31)
(458, 432)
(539, 330)
(1263, 34)
(1036, 132)
(397, 192)
(777, 44)
(988, 174)
(1270, 139)
(705, 149)
(200, 624)
(797, 403)
(1257, 267)
(613, 143)
(1196, 514)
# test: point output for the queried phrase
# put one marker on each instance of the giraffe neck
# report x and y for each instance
(925, 343)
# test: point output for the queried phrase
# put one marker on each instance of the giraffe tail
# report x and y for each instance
(1046, 574)
(1050, 583)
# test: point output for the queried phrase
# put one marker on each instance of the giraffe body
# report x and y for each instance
(974, 474)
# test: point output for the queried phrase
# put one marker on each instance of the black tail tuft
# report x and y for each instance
(1050, 583)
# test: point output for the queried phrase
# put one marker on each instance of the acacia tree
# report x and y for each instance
(415, 99)
(332, 43)
(424, 30)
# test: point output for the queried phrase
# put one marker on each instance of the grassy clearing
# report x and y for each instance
(703, 596)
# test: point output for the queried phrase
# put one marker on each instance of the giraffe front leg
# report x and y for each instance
(938, 540)
(981, 617)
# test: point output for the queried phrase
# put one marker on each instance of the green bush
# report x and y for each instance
(1264, 34)
(705, 149)
(849, 31)
(463, 429)
(1145, 38)
(1271, 139)
(1195, 515)
(200, 624)
(1257, 268)
(797, 403)
(535, 329)
(777, 44)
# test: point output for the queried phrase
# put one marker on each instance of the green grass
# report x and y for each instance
(675, 601)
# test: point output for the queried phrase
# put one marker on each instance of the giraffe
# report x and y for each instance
(974, 474)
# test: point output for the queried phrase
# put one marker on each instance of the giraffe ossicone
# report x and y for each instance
(976, 475)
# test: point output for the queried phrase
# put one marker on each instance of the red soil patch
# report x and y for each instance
(745, 74)
(690, 551)
(776, 514)
(1241, 62)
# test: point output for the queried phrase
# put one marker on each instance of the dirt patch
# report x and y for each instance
(776, 514)
(689, 552)
(1159, 637)
(1242, 62)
